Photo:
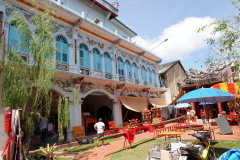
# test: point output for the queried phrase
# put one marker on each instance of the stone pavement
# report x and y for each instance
(104, 152)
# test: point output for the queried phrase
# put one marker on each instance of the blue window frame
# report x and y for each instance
(129, 69)
(135, 70)
(15, 39)
(149, 75)
(144, 74)
(97, 65)
(62, 49)
(84, 56)
(120, 66)
(154, 77)
(108, 63)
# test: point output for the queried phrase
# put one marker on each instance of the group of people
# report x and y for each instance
(191, 115)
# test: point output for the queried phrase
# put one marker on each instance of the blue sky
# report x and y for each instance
(177, 20)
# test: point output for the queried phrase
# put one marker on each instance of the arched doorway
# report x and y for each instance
(105, 113)
(96, 105)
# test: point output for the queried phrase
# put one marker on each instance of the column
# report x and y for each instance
(91, 62)
(103, 65)
(193, 106)
(219, 107)
(117, 112)
(75, 118)
(114, 70)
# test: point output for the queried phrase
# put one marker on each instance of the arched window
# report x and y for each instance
(149, 75)
(129, 69)
(108, 62)
(15, 39)
(62, 49)
(84, 56)
(135, 70)
(120, 66)
(144, 74)
(97, 65)
(154, 77)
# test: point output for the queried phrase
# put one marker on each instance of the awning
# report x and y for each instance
(233, 88)
(180, 94)
(158, 102)
(137, 104)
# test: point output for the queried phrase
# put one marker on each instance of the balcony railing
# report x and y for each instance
(108, 76)
(84, 71)
(121, 78)
(62, 66)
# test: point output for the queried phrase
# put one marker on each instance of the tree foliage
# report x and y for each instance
(224, 50)
(28, 84)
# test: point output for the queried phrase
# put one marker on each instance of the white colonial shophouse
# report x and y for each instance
(96, 57)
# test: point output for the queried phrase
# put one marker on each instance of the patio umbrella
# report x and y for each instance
(182, 105)
(205, 95)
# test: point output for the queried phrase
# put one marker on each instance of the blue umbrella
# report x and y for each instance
(182, 105)
(212, 95)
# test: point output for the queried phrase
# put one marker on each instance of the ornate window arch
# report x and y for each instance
(97, 64)
(84, 56)
(120, 66)
(135, 71)
(108, 63)
(15, 39)
(129, 69)
(144, 74)
(62, 47)
(149, 75)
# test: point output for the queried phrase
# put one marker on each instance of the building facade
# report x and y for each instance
(95, 55)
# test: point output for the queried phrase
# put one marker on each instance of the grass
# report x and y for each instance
(84, 148)
(139, 150)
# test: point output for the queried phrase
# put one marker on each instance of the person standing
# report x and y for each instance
(192, 112)
(202, 116)
(99, 127)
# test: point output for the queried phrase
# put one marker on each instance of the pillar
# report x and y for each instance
(219, 107)
(75, 118)
(117, 112)
(125, 71)
(114, 69)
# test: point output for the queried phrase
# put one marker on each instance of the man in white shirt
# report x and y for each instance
(99, 127)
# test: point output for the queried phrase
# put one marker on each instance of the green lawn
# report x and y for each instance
(84, 148)
(139, 150)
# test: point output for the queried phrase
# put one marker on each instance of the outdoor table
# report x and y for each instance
(171, 134)
(207, 129)
(188, 126)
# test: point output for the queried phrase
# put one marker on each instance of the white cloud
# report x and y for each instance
(183, 39)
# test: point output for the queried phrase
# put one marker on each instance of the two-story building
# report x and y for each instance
(96, 56)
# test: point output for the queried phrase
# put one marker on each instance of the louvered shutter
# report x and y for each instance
(86, 59)
(94, 60)
(59, 50)
(99, 62)
(81, 58)
(109, 65)
(13, 38)
(64, 52)
(135, 72)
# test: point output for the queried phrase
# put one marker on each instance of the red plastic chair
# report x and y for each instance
(111, 125)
